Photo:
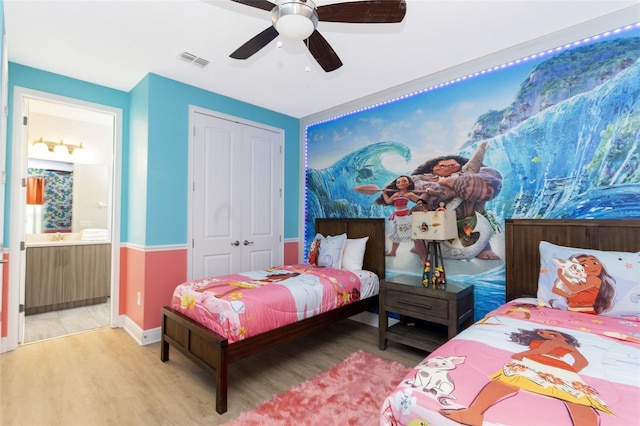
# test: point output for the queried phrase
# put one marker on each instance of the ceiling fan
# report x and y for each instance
(298, 19)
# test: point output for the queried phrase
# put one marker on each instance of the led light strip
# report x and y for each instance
(479, 73)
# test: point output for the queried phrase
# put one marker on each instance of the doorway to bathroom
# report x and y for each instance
(67, 216)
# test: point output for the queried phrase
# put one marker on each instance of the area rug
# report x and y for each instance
(350, 393)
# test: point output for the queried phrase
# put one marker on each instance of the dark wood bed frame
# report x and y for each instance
(523, 236)
(213, 353)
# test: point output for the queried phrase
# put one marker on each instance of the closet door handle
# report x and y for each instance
(235, 243)
(246, 243)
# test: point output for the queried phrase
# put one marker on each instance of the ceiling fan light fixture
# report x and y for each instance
(295, 20)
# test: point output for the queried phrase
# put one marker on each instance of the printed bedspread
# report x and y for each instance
(242, 305)
(526, 365)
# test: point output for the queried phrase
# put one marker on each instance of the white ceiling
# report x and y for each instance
(116, 43)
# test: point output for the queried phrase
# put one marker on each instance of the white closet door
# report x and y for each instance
(262, 199)
(236, 202)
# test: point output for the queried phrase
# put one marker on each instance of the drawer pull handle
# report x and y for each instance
(416, 305)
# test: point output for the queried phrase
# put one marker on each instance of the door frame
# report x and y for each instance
(216, 114)
(4, 100)
(17, 201)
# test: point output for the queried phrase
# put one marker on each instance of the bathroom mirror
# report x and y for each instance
(66, 197)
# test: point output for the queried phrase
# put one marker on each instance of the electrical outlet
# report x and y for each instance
(139, 299)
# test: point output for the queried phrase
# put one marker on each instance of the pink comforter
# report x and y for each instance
(507, 375)
(242, 305)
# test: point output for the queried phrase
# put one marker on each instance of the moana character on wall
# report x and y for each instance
(399, 193)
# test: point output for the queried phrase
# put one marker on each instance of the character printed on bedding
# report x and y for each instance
(585, 283)
(517, 310)
(432, 376)
(543, 370)
(259, 281)
(307, 291)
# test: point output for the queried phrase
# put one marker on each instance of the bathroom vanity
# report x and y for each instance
(65, 272)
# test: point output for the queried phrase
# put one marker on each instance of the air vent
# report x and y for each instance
(189, 57)
(201, 62)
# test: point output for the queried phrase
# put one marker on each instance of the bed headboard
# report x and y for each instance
(523, 236)
(374, 258)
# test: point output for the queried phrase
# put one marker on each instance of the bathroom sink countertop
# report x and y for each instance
(59, 239)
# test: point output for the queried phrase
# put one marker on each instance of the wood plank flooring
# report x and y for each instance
(103, 377)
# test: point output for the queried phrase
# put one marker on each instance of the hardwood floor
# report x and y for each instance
(103, 377)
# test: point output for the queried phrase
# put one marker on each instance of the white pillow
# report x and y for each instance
(353, 255)
(331, 249)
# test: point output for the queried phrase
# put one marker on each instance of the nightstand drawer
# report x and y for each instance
(415, 305)
(441, 314)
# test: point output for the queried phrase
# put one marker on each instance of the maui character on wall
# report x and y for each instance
(466, 185)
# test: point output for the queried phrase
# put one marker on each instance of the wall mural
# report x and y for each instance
(554, 136)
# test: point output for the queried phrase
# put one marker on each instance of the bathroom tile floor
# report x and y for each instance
(69, 321)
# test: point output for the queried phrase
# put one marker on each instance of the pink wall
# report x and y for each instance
(165, 270)
(132, 281)
(154, 275)
(291, 253)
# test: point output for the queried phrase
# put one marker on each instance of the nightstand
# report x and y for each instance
(444, 313)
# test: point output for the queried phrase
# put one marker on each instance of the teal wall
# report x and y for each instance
(168, 154)
(155, 149)
(134, 223)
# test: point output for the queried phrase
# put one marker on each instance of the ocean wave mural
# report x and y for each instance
(560, 138)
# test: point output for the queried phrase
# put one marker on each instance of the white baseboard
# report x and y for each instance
(4, 345)
(143, 337)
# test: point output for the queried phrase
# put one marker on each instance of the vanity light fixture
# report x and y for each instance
(61, 149)
(42, 146)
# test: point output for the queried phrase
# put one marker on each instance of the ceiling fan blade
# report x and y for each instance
(259, 4)
(364, 12)
(255, 44)
(323, 52)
